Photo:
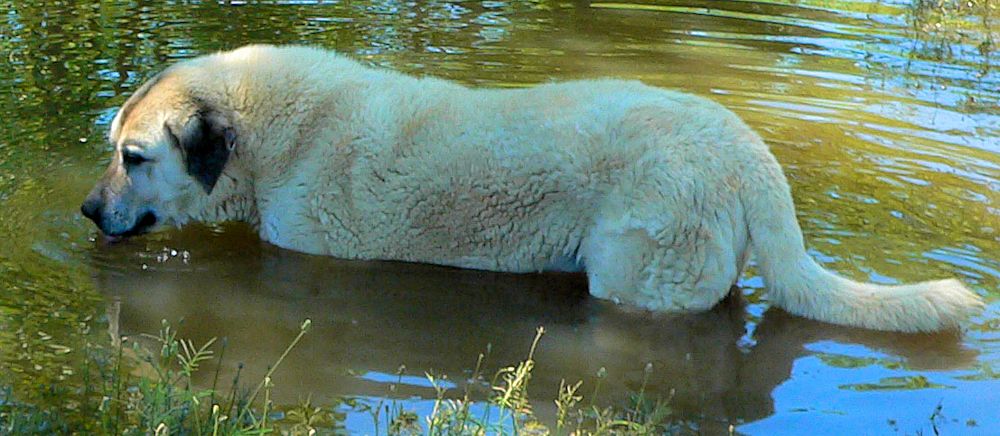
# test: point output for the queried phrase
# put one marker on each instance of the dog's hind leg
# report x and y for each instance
(679, 261)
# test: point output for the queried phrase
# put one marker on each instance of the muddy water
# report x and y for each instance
(884, 114)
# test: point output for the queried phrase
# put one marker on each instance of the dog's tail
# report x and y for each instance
(801, 286)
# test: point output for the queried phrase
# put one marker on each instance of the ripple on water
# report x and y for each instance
(883, 115)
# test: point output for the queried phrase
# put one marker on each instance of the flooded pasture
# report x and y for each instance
(884, 114)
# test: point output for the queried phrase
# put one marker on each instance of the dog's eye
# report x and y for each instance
(132, 159)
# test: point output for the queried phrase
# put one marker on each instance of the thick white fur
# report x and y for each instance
(657, 195)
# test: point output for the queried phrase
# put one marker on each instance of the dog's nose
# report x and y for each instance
(91, 208)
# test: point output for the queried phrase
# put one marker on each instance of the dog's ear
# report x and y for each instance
(206, 142)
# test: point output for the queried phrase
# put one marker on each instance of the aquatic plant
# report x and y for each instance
(140, 389)
(508, 411)
(162, 400)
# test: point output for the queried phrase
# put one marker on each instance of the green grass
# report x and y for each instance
(165, 400)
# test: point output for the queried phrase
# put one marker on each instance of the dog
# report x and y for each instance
(657, 195)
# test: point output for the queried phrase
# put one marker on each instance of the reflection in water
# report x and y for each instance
(371, 317)
(883, 114)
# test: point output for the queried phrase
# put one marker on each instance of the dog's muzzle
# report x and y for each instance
(93, 208)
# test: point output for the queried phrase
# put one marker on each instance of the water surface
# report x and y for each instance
(884, 115)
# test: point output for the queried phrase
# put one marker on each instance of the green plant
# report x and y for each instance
(166, 401)
(150, 390)
(508, 411)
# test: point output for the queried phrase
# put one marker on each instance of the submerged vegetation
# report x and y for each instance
(138, 389)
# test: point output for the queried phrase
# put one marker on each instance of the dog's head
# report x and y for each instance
(170, 148)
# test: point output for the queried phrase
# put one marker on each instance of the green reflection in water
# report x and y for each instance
(884, 115)
(898, 383)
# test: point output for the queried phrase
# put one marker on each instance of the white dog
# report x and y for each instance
(657, 195)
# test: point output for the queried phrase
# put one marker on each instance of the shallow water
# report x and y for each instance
(884, 115)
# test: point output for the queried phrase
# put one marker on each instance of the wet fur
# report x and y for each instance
(658, 195)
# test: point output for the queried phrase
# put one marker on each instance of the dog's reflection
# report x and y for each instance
(369, 318)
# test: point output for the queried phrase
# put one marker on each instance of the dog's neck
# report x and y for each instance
(232, 199)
